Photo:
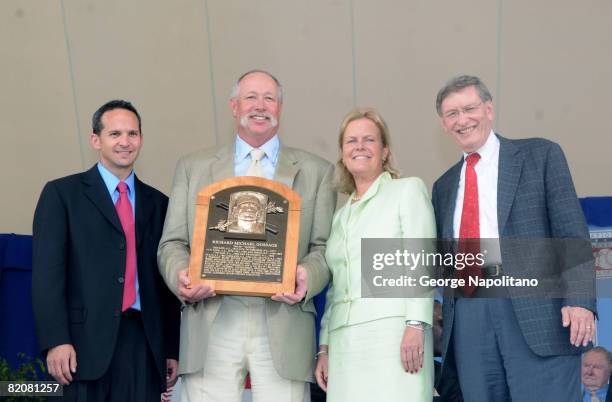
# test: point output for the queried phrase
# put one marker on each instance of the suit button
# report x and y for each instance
(120, 279)
(121, 246)
(116, 313)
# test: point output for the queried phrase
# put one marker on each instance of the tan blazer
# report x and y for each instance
(290, 328)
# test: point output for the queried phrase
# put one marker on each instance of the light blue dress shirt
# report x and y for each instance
(111, 181)
(242, 157)
(601, 394)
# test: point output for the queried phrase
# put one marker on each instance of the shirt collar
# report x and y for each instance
(488, 150)
(370, 192)
(243, 149)
(111, 181)
(601, 392)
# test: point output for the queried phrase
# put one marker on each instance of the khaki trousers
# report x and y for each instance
(239, 346)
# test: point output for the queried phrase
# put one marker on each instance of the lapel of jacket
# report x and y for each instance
(349, 210)
(509, 172)
(223, 166)
(144, 209)
(449, 199)
(370, 192)
(286, 166)
(97, 193)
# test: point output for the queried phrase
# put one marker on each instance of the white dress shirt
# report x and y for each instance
(486, 172)
(242, 157)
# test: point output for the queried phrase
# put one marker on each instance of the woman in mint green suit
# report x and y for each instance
(374, 348)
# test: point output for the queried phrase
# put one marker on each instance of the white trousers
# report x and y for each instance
(239, 346)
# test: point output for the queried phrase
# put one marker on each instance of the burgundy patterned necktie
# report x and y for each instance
(126, 216)
(469, 231)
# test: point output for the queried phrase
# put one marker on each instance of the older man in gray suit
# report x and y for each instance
(510, 348)
(225, 337)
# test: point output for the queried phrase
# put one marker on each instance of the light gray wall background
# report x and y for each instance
(548, 64)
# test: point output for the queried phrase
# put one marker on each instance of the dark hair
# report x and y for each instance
(96, 120)
(456, 84)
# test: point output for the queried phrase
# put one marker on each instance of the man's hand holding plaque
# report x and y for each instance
(301, 286)
(193, 294)
(196, 293)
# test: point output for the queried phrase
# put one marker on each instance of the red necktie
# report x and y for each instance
(469, 231)
(126, 216)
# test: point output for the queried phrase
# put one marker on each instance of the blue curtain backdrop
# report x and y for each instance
(598, 213)
(16, 319)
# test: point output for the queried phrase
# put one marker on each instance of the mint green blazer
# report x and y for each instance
(399, 208)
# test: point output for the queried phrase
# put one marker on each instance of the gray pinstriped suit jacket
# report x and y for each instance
(535, 199)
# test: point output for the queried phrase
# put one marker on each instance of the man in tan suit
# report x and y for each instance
(225, 337)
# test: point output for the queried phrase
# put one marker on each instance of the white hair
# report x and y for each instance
(236, 87)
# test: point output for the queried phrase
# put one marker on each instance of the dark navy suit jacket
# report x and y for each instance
(535, 199)
(78, 267)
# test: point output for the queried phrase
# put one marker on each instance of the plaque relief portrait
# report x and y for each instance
(247, 212)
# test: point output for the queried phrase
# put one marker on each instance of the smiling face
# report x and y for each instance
(363, 151)
(248, 211)
(256, 108)
(119, 141)
(467, 118)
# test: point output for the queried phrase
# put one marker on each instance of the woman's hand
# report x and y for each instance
(321, 370)
(411, 349)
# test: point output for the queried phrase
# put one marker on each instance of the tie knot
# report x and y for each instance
(472, 158)
(122, 187)
(257, 154)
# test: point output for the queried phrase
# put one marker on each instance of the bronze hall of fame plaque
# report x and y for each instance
(245, 238)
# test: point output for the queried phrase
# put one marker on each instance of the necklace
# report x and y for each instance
(356, 198)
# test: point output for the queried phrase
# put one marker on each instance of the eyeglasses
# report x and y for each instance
(469, 110)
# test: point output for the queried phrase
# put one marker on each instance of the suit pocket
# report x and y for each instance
(77, 315)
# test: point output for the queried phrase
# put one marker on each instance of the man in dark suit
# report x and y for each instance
(512, 347)
(105, 320)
